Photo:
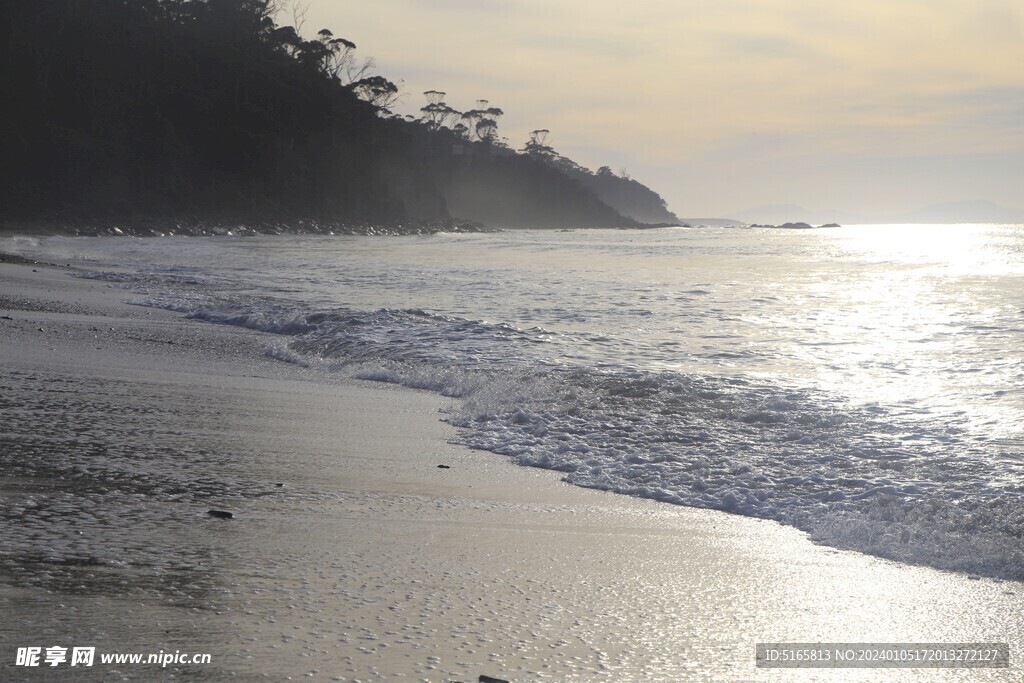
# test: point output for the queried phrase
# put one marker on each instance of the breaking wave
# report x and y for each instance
(871, 478)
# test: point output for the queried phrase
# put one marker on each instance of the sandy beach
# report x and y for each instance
(352, 555)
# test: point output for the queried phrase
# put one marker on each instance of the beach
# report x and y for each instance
(353, 555)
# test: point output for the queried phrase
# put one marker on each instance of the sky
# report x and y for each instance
(871, 107)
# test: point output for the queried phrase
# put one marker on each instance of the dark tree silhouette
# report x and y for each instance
(377, 90)
(482, 122)
(437, 114)
(537, 146)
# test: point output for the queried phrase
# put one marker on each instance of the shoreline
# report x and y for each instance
(164, 226)
(352, 555)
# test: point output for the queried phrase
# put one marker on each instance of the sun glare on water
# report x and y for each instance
(919, 315)
(951, 249)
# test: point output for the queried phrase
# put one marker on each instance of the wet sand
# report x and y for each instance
(351, 555)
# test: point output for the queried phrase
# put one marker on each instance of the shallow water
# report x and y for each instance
(863, 384)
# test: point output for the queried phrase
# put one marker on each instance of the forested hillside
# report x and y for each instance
(209, 110)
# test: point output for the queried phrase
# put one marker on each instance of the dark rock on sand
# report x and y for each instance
(11, 258)
(444, 467)
(489, 679)
(220, 514)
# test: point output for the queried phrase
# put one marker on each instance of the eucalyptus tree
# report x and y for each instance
(537, 146)
(483, 121)
(436, 113)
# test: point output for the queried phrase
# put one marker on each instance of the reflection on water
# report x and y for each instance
(927, 317)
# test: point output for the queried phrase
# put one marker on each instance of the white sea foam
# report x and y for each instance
(750, 448)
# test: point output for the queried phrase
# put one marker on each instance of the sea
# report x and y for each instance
(864, 384)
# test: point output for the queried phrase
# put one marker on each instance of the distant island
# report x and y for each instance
(800, 225)
(155, 116)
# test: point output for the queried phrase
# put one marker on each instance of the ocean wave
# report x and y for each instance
(869, 478)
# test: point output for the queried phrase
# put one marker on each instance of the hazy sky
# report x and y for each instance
(721, 105)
